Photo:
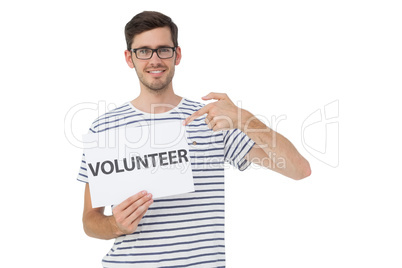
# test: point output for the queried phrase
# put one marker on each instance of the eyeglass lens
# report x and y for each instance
(146, 53)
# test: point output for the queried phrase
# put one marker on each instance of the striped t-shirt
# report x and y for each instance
(185, 230)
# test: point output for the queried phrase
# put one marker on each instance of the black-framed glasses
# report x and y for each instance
(147, 53)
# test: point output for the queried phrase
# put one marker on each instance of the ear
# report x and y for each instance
(178, 55)
(127, 55)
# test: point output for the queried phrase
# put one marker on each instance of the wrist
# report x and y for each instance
(249, 122)
(116, 232)
(244, 118)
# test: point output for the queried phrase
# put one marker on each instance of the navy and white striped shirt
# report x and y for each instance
(184, 230)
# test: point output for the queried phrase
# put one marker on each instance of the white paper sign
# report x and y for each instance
(124, 161)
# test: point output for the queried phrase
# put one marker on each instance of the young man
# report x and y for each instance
(183, 230)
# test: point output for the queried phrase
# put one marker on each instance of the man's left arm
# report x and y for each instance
(271, 149)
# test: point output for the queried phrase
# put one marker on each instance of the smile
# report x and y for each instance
(156, 72)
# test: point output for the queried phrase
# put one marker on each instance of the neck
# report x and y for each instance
(156, 102)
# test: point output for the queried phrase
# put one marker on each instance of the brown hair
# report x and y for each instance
(149, 20)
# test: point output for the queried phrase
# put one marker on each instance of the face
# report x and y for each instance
(155, 74)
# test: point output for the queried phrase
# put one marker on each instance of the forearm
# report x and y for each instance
(283, 156)
(98, 225)
(265, 137)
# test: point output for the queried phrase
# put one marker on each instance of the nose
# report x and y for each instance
(155, 60)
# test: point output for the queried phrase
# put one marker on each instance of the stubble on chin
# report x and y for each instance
(156, 87)
(156, 91)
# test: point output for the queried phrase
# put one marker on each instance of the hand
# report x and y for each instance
(222, 114)
(128, 214)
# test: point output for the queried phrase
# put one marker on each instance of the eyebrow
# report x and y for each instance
(156, 47)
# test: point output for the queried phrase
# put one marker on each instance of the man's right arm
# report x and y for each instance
(124, 220)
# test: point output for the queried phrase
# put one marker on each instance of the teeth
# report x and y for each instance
(155, 72)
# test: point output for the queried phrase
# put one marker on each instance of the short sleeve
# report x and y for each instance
(236, 146)
(82, 173)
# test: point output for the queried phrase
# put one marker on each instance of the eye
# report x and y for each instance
(143, 51)
(164, 49)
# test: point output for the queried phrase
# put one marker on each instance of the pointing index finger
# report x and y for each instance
(196, 114)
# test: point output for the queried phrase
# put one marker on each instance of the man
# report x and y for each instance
(183, 230)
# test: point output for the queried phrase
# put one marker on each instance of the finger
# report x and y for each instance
(211, 124)
(208, 119)
(215, 96)
(219, 126)
(222, 122)
(196, 114)
(131, 209)
(126, 203)
(138, 219)
(215, 128)
(133, 226)
(139, 212)
(121, 216)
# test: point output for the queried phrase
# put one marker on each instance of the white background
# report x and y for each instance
(276, 58)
